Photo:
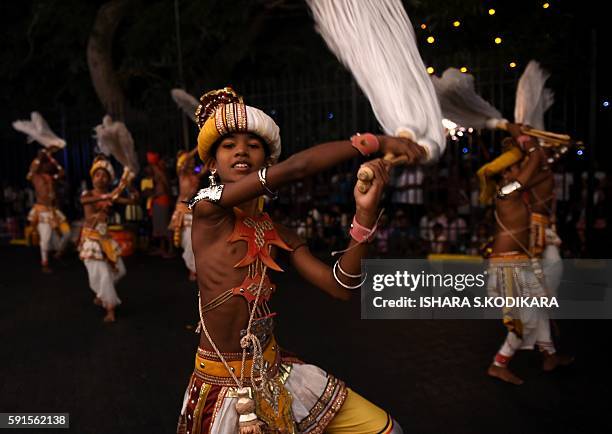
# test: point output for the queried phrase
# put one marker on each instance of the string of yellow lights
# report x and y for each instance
(497, 40)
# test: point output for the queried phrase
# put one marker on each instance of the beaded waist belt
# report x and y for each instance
(502, 258)
(106, 242)
(213, 371)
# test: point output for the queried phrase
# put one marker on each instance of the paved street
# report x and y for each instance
(129, 377)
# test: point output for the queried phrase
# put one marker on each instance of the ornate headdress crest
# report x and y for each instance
(101, 162)
(211, 100)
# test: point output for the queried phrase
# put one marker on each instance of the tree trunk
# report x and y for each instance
(100, 61)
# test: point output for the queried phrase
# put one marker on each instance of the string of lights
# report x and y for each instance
(456, 24)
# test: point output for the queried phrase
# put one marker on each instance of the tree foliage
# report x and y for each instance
(227, 41)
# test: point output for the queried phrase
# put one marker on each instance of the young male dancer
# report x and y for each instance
(243, 382)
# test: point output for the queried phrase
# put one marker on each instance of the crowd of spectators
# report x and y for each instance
(427, 210)
(422, 217)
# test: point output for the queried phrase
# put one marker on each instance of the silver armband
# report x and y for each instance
(211, 194)
(508, 189)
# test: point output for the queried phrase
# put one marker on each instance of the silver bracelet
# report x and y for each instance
(343, 284)
(344, 273)
(261, 173)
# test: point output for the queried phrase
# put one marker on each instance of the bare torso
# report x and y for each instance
(160, 182)
(215, 260)
(514, 215)
(541, 196)
(44, 189)
(96, 212)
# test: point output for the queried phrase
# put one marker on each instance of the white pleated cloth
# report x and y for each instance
(552, 265)
(307, 385)
(102, 274)
(102, 279)
(49, 239)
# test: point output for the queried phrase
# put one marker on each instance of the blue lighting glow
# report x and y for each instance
(579, 152)
(197, 169)
(606, 103)
(465, 150)
(330, 115)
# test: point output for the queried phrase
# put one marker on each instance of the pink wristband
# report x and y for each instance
(360, 233)
(365, 143)
(522, 139)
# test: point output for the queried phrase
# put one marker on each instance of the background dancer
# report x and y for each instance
(160, 205)
(510, 267)
(180, 223)
(98, 251)
(49, 223)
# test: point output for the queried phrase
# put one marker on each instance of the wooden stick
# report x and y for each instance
(540, 133)
(552, 138)
(365, 175)
(126, 178)
(547, 143)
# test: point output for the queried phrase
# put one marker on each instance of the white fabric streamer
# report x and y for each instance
(186, 102)
(532, 98)
(38, 130)
(115, 139)
(461, 104)
(375, 40)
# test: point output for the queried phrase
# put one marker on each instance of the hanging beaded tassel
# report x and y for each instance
(248, 422)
